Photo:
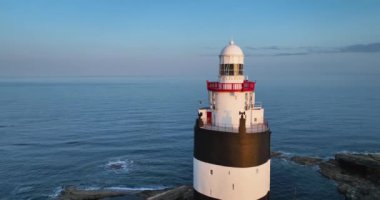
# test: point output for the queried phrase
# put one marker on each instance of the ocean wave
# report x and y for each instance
(6, 125)
(72, 142)
(23, 189)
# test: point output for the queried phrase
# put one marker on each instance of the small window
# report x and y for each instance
(231, 69)
(211, 172)
(257, 171)
(240, 69)
(233, 186)
(255, 119)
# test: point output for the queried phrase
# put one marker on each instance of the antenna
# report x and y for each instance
(231, 40)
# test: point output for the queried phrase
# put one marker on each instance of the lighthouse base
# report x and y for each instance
(223, 182)
(231, 165)
(200, 196)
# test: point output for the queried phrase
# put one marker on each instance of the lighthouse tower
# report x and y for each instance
(231, 137)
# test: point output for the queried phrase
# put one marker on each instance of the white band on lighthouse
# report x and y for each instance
(222, 182)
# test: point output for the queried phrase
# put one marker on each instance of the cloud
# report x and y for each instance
(361, 48)
(264, 48)
(309, 50)
(303, 50)
(291, 54)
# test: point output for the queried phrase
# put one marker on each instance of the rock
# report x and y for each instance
(72, 193)
(178, 193)
(365, 165)
(357, 175)
(304, 160)
(276, 154)
(116, 165)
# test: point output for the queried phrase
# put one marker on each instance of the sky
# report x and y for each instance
(280, 38)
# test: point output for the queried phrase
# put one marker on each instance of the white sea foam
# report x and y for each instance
(362, 152)
(136, 188)
(119, 166)
(23, 189)
(285, 154)
(89, 188)
(56, 192)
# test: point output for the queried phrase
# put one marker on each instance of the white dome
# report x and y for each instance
(231, 50)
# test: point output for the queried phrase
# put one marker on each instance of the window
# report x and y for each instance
(240, 69)
(233, 186)
(211, 172)
(230, 69)
(224, 69)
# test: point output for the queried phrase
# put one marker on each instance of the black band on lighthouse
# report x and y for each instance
(231, 149)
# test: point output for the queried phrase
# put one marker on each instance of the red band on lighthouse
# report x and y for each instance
(231, 87)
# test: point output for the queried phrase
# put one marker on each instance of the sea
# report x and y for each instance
(136, 133)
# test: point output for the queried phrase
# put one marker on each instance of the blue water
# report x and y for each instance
(56, 132)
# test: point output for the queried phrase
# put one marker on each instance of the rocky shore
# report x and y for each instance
(178, 193)
(357, 176)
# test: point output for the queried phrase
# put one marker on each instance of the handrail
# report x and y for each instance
(254, 128)
(258, 105)
(231, 87)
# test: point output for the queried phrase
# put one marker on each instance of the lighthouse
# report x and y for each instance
(231, 137)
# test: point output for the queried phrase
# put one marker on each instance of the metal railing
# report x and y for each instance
(257, 106)
(253, 128)
(231, 87)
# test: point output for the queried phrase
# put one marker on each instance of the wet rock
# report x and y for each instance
(72, 193)
(304, 160)
(178, 193)
(365, 165)
(276, 154)
(357, 175)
